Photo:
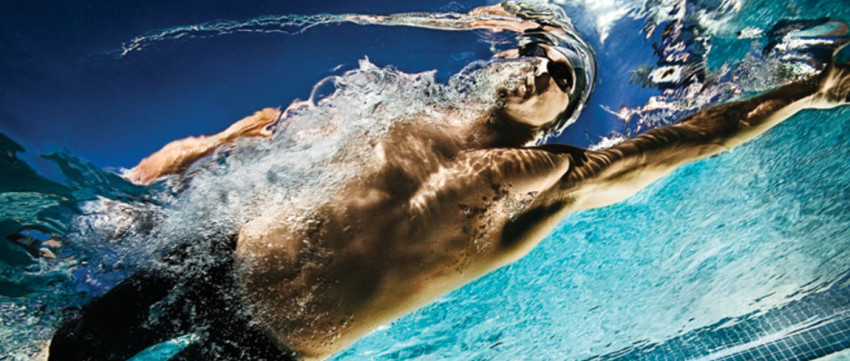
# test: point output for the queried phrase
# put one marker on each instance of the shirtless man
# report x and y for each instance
(431, 217)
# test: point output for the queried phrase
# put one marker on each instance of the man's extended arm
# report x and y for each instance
(493, 17)
(610, 175)
(178, 155)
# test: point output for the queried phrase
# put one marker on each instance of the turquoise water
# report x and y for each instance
(733, 236)
(725, 237)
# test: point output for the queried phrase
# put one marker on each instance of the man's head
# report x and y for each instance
(539, 86)
(545, 85)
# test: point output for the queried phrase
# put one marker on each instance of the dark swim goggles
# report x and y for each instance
(560, 72)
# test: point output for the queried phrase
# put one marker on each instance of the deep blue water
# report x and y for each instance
(732, 237)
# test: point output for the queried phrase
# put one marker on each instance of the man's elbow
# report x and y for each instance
(147, 172)
(138, 176)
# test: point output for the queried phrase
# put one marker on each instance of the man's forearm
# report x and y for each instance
(723, 127)
(610, 175)
(705, 133)
(178, 155)
(726, 126)
(174, 158)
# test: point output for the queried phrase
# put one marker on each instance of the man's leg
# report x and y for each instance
(153, 306)
(225, 330)
(115, 326)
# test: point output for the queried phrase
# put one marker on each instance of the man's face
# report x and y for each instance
(533, 96)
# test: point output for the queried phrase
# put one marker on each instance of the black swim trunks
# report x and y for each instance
(154, 306)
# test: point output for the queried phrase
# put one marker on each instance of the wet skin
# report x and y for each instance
(438, 207)
(441, 206)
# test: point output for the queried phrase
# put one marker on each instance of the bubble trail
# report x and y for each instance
(298, 24)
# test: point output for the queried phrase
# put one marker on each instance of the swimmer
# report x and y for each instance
(431, 215)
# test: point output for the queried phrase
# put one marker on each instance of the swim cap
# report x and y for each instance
(580, 55)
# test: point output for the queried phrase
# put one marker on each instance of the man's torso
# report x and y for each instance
(431, 215)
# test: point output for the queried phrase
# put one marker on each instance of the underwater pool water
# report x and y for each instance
(738, 257)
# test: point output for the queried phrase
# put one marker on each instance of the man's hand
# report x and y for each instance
(832, 85)
(48, 247)
(496, 18)
(834, 89)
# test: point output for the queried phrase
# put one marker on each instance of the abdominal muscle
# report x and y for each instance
(373, 254)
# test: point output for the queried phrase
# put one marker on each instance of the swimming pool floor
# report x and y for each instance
(812, 327)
